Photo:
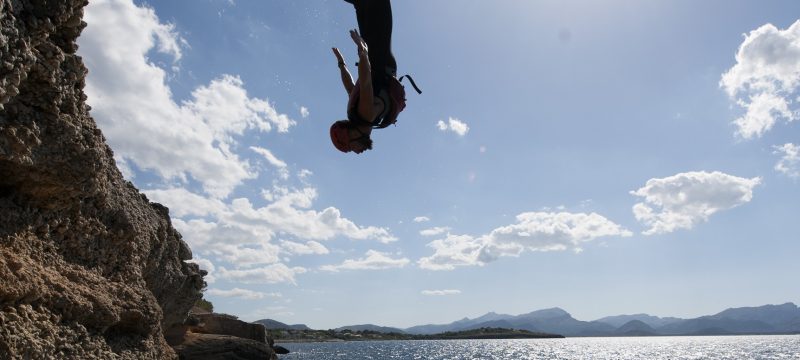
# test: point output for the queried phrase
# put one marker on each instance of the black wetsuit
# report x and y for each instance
(375, 27)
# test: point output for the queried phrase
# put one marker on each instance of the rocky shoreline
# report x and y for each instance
(219, 336)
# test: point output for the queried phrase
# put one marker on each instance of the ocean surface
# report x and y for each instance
(678, 347)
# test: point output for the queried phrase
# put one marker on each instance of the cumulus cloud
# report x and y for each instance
(133, 104)
(765, 78)
(290, 213)
(182, 202)
(533, 231)
(420, 219)
(242, 293)
(241, 233)
(373, 260)
(434, 231)
(453, 251)
(283, 171)
(272, 159)
(681, 201)
(304, 112)
(440, 292)
(310, 247)
(304, 174)
(272, 274)
(455, 125)
(789, 164)
(237, 245)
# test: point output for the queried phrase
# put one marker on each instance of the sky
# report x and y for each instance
(607, 158)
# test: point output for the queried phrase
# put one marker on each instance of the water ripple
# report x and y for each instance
(660, 348)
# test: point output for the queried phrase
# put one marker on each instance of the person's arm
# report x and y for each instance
(347, 79)
(365, 107)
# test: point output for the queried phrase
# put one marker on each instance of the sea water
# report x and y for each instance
(676, 347)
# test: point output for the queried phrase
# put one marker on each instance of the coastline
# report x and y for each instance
(301, 336)
(312, 341)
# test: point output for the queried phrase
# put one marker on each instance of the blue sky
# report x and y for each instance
(606, 158)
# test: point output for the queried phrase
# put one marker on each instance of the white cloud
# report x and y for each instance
(242, 293)
(241, 233)
(133, 104)
(440, 292)
(125, 169)
(276, 191)
(283, 172)
(182, 202)
(272, 159)
(304, 112)
(765, 77)
(534, 231)
(304, 174)
(288, 213)
(455, 125)
(546, 231)
(236, 245)
(373, 260)
(452, 251)
(434, 231)
(310, 247)
(272, 274)
(420, 219)
(684, 200)
(789, 164)
(763, 110)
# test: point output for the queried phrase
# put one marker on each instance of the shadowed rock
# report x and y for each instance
(227, 325)
(90, 269)
(222, 347)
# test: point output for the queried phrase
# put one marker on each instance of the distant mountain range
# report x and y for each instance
(277, 325)
(370, 327)
(767, 319)
(654, 321)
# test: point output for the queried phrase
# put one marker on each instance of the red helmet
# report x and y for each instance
(340, 136)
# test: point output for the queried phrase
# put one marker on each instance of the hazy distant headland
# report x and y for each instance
(365, 333)
(767, 319)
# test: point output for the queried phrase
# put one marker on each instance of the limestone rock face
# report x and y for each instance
(89, 268)
(212, 336)
(225, 325)
(222, 347)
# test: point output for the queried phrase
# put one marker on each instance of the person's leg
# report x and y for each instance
(375, 26)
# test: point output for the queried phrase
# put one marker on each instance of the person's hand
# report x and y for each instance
(360, 43)
(339, 57)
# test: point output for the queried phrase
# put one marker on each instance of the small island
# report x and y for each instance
(296, 335)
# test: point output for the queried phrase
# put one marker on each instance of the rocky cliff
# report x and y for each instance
(89, 268)
(210, 336)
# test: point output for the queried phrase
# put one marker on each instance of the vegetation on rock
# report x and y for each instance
(204, 304)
